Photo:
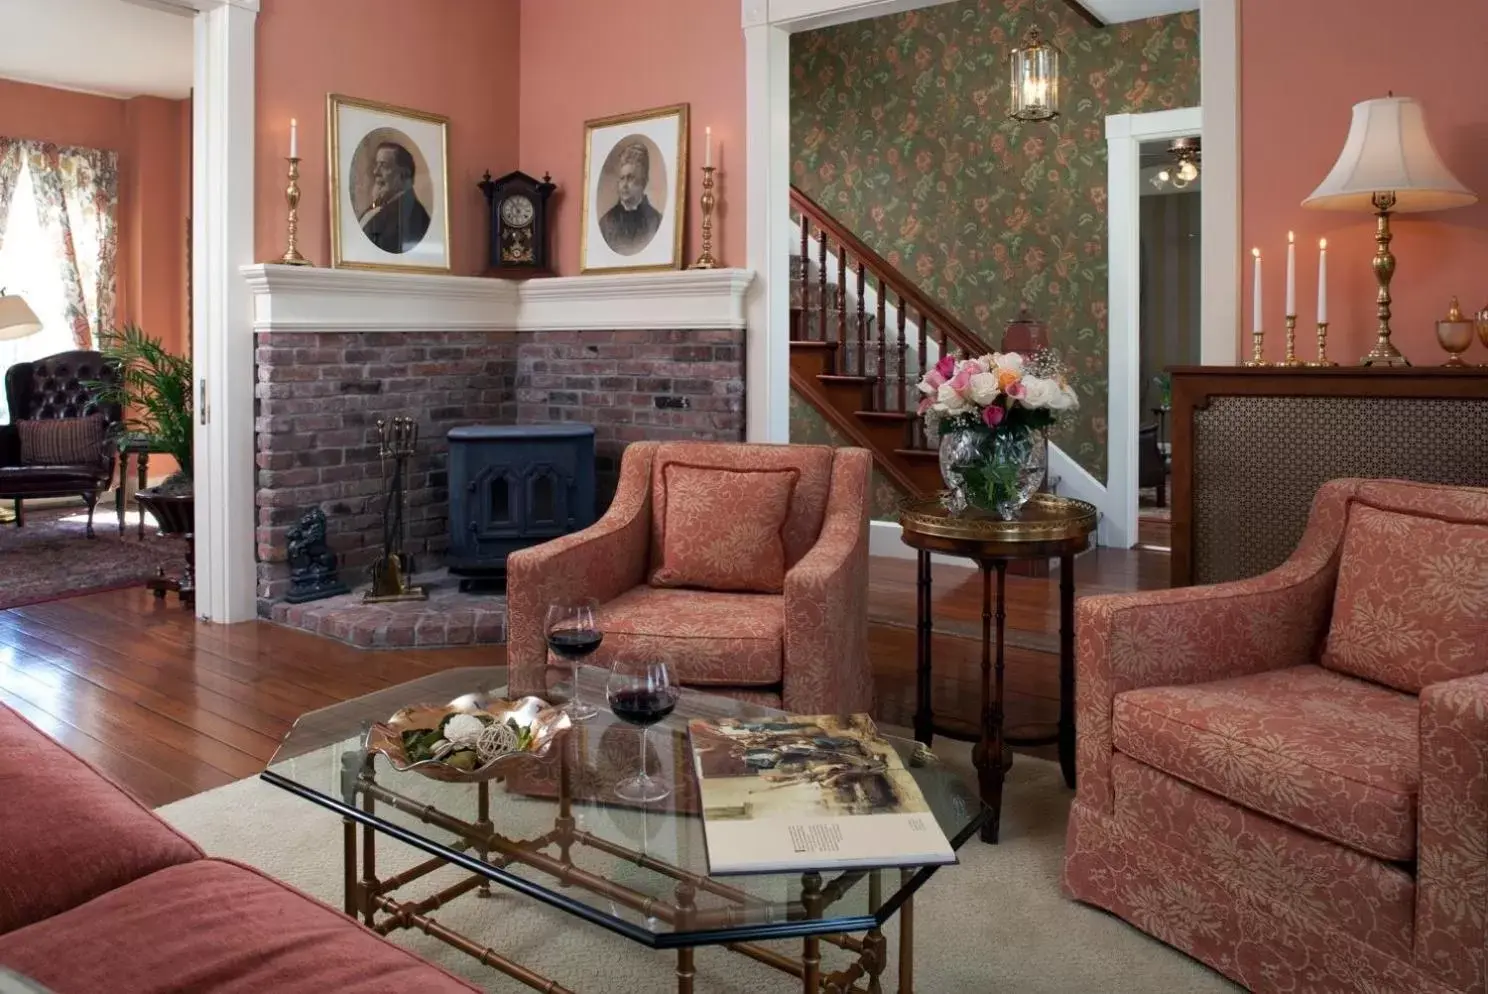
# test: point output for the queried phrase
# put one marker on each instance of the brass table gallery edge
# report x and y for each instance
(555, 836)
(1048, 527)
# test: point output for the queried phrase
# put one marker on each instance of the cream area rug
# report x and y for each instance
(995, 923)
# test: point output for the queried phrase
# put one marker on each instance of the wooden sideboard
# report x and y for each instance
(1252, 446)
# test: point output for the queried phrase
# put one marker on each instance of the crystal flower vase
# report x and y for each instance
(991, 469)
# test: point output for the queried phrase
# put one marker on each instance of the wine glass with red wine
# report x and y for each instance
(641, 693)
(573, 633)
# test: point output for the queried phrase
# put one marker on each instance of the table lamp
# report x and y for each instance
(17, 319)
(1388, 165)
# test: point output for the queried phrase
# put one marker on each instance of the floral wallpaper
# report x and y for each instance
(810, 428)
(899, 128)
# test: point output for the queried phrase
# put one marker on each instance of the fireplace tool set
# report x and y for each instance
(393, 570)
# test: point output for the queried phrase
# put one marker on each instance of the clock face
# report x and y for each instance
(517, 211)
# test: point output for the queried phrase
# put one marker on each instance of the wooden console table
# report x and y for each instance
(1252, 446)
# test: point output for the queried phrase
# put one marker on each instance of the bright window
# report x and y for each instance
(29, 267)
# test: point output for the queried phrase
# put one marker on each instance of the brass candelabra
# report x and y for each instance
(391, 573)
(1291, 361)
(706, 260)
(1322, 346)
(292, 256)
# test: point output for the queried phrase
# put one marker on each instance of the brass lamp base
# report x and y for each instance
(1384, 352)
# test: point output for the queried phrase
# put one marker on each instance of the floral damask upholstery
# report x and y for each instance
(723, 528)
(804, 649)
(1296, 827)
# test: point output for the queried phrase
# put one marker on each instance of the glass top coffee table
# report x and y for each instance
(554, 831)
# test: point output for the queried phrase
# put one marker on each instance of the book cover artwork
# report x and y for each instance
(809, 792)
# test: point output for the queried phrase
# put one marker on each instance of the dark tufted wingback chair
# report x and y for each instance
(57, 387)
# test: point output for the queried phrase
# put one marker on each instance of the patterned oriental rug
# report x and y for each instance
(52, 557)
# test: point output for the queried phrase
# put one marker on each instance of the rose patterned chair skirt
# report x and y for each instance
(1286, 777)
(755, 586)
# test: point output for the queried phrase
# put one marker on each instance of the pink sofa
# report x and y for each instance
(98, 894)
(804, 649)
(1287, 776)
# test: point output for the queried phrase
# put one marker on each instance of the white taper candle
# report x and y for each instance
(708, 146)
(1291, 274)
(1322, 281)
(1255, 305)
(294, 138)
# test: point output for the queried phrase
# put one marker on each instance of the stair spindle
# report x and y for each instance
(842, 307)
(862, 330)
(903, 353)
(821, 291)
(883, 348)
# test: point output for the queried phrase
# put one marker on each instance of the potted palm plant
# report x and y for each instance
(154, 387)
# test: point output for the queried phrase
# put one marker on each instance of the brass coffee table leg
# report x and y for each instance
(811, 899)
(686, 903)
(906, 939)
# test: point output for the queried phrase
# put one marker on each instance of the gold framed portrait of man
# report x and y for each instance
(389, 173)
(635, 191)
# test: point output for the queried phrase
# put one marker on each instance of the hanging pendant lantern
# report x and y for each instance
(1035, 80)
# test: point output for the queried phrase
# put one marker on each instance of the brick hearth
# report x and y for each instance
(321, 393)
(448, 617)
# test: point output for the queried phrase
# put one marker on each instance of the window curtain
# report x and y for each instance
(77, 205)
(10, 173)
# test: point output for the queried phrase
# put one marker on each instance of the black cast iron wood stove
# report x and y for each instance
(512, 486)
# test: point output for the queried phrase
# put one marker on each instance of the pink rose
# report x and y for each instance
(933, 380)
(925, 404)
(993, 415)
(946, 367)
(1016, 389)
(961, 382)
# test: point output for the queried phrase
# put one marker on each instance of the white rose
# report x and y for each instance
(1068, 399)
(1039, 392)
(949, 401)
(1008, 360)
(983, 389)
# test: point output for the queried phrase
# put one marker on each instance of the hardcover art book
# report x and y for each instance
(809, 792)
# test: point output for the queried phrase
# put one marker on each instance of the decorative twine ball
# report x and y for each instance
(496, 740)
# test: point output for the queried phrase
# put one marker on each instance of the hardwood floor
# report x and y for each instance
(170, 707)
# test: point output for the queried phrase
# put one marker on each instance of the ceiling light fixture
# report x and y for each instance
(1034, 70)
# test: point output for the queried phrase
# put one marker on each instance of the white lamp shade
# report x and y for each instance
(1389, 151)
(17, 320)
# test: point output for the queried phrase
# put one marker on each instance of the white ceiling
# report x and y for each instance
(115, 47)
(1116, 11)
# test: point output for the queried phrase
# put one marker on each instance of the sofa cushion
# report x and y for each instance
(1312, 748)
(67, 834)
(1411, 605)
(723, 528)
(705, 637)
(808, 504)
(61, 441)
(216, 926)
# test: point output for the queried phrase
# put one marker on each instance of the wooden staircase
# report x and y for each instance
(860, 342)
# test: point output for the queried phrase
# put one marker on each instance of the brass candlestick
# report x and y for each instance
(1384, 352)
(292, 255)
(1291, 361)
(1322, 358)
(706, 260)
(1257, 337)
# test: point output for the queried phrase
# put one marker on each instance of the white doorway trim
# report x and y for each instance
(222, 328)
(1125, 134)
(768, 25)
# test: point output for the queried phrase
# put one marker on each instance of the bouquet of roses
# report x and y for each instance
(990, 414)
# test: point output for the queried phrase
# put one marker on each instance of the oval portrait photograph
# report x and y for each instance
(632, 194)
(391, 190)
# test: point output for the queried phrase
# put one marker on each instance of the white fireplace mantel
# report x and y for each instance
(304, 298)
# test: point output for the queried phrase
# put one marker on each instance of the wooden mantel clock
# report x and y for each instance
(519, 224)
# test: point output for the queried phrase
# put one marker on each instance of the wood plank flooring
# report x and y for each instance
(170, 707)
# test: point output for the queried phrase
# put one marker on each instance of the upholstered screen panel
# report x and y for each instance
(1258, 461)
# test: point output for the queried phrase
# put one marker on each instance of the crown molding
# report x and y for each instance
(306, 298)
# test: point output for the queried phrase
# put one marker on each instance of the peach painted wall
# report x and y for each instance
(148, 133)
(583, 60)
(457, 58)
(1303, 67)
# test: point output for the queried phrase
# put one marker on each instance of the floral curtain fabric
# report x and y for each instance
(77, 204)
(10, 172)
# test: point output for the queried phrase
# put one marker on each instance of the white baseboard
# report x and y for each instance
(884, 540)
(1075, 481)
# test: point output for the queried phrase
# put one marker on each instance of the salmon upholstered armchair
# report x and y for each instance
(1286, 777)
(800, 645)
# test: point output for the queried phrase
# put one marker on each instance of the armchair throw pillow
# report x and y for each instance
(62, 441)
(1411, 605)
(723, 528)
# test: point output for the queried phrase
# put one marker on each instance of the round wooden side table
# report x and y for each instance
(1048, 527)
